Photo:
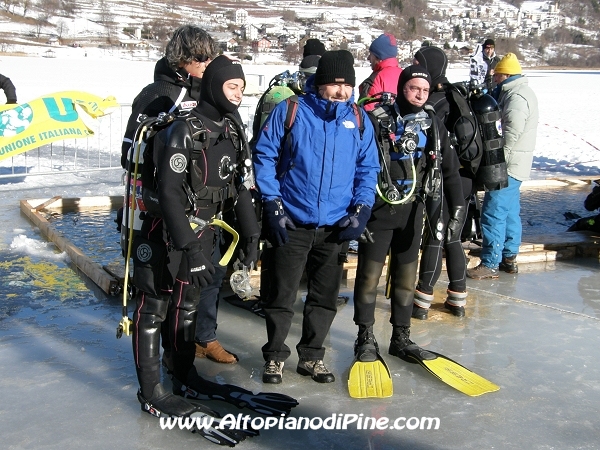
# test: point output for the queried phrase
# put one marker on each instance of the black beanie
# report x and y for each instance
(411, 72)
(216, 74)
(336, 66)
(414, 71)
(489, 42)
(434, 60)
(313, 47)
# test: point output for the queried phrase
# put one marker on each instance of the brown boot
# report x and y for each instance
(215, 352)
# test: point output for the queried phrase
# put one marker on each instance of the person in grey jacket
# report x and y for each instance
(500, 221)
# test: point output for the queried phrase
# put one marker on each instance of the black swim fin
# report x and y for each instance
(266, 403)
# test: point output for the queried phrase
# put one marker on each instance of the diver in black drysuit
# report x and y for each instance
(195, 159)
(397, 228)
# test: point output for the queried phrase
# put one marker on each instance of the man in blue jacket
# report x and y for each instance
(317, 182)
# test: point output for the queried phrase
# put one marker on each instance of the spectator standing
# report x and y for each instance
(383, 53)
(318, 186)
(500, 220)
(491, 59)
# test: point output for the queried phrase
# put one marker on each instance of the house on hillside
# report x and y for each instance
(261, 45)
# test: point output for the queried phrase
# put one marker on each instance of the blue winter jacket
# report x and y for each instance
(325, 168)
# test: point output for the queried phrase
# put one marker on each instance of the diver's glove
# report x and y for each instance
(277, 222)
(456, 222)
(248, 251)
(353, 225)
(200, 269)
(267, 403)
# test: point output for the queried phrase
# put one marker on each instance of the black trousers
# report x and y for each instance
(318, 251)
(396, 229)
(431, 258)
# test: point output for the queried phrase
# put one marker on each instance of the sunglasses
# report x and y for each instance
(201, 58)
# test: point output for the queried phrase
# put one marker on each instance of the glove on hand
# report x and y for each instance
(276, 221)
(200, 269)
(248, 251)
(354, 223)
(456, 222)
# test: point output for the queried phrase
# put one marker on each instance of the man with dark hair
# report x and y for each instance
(9, 90)
(317, 182)
(482, 64)
(491, 59)
(177, 76)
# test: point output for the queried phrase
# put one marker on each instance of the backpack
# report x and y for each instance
(288, 91)
(462, 125)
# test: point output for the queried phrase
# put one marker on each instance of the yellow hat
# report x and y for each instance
(509, 65)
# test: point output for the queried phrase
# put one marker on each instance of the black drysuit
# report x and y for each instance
(398, 229)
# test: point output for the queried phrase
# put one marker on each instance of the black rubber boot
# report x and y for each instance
(164, 404)
(182, 318)
(148, 318)
(400, 341)
(365, 346)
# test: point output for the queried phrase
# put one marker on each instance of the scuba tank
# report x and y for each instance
(492, 174)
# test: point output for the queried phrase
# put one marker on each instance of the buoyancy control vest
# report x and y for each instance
(202, 187)
(401, 142)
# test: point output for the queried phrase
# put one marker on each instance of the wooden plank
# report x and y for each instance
(80, 203)
(94, 271)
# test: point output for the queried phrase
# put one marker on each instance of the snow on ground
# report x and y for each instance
(568, 141)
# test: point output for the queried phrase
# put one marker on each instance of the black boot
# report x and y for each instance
(400, 342)
(148, 319)
(365, 346)
(509, 264)
(164, 404)
(182, 321)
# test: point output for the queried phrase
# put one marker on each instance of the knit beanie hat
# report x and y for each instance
(414, 71)
(313, 47)
(384, 47)
(336, 66)
(509, 65)
(434, 60)
(309, 64)
(489, 42)
(216, 74)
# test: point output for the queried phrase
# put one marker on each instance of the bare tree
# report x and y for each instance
(61, 28)
(26, 4)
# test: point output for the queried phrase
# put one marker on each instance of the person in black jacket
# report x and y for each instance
(9, 90)
(196, 181)
(435, 61)
(177, 78)
(491, 59)
(410, 184)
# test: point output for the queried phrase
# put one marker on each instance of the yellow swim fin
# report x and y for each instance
(370, 379)
(449, 371)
